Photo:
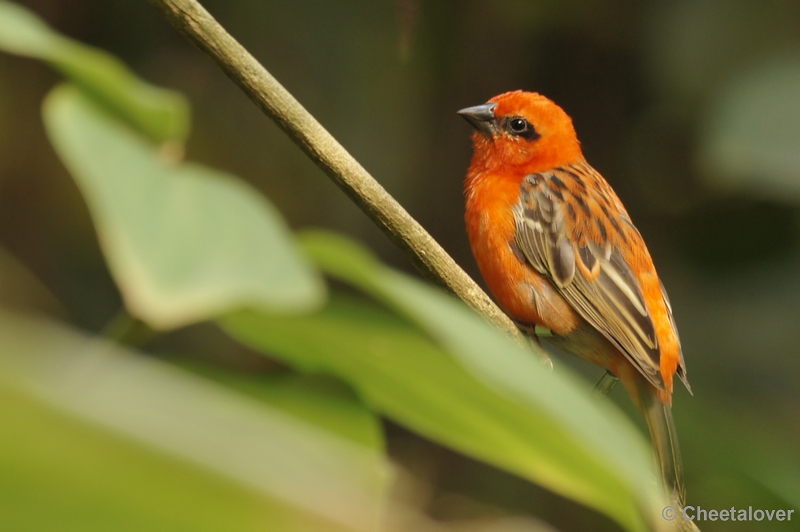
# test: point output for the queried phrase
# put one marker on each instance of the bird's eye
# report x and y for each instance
(519, 127)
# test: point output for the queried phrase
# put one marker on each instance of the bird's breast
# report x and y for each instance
(524, 294)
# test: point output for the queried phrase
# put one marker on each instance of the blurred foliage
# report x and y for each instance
(183, 242)
(186, 244)
(527, 421)
(689, 108)
(254, 459)
(159, 113)
(753, 131)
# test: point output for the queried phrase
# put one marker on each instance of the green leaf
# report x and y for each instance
(496, 402)
(183, 242)
(107, 439)
(319, 399)
(158, 113)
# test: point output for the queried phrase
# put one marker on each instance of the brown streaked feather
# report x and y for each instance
(577, 255)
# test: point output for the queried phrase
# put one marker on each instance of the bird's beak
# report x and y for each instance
(481, 117)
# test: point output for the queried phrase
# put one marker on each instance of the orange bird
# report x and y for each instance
(557, 249)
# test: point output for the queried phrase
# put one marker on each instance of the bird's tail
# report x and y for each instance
(584, 341)
(665, 444)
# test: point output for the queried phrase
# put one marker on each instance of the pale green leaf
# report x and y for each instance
(183, 242)
(319, 399)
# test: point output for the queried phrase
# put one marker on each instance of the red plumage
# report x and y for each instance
(557, 248)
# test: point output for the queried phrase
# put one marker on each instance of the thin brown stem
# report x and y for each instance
(199, 26)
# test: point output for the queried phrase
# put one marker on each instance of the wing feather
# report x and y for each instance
(592, 276)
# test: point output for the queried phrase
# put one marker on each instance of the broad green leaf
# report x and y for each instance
(751, 133)
(183, 242)
(485, 351)
(319, 399)
(402, 373)
(158, 113)
(88, 479)
(108, 439)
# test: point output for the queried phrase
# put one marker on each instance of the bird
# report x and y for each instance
(558, 250)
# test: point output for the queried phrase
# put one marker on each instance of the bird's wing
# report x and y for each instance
(588, 270)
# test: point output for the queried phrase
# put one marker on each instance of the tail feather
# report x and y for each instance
(589, 344)
(661, 426)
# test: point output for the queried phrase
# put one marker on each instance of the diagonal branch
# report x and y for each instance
(200, 27)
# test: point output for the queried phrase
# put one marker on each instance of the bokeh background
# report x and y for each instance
(691, 109)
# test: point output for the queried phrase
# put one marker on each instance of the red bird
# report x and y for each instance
(557, 249)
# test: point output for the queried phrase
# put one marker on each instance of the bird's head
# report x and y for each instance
(522, 132)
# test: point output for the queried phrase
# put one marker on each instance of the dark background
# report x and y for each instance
(690, 109)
